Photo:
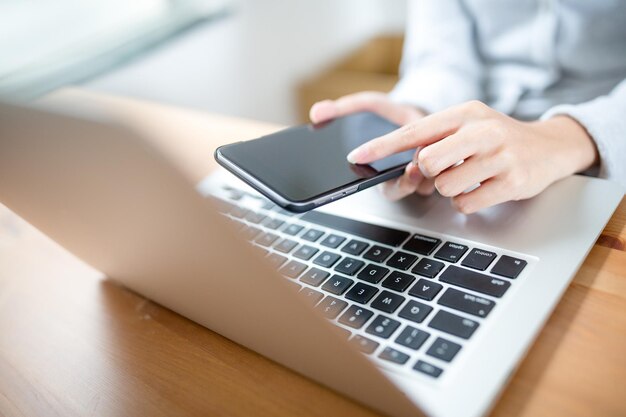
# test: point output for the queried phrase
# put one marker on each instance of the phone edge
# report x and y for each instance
(308, 205)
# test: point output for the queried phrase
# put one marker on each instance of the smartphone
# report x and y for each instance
(305, 167)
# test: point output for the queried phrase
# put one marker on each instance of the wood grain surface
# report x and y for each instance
(74, 344)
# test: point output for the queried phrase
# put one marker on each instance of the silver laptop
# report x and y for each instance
(409, 307)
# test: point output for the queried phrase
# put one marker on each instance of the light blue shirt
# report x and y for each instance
(531, 59)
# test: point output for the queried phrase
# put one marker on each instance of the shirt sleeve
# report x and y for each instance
(605, 121)
(440, 66)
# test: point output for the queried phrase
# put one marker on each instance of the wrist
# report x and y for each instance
(575, 149)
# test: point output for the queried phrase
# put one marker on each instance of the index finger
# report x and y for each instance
(421, 132)
(371, 101)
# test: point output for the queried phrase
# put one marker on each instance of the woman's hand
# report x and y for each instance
(412, 180)
(512, 160)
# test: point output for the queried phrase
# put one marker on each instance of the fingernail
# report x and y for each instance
(356, 155)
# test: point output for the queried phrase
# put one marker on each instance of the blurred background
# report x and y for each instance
(261, 59)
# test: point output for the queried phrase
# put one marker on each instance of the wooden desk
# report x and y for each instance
(73, 344)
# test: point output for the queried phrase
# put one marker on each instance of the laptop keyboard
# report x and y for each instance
(410, 300)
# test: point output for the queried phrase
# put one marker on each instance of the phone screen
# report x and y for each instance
(304, 162)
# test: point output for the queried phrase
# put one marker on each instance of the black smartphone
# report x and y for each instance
(304, 167)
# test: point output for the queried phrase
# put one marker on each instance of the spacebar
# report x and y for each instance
(386, 235)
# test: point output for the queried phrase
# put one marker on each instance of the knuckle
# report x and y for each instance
(497, 128)
(408, 132)
(517, 180)
(475, 107)
(370, 94)
(369, 98)
(507, 157)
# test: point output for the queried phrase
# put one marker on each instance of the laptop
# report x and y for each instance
(408, 307)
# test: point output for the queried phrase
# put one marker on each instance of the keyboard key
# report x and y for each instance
(373, 273)
(276, 260)
(311, 296)
(377, 253)
(332, 241)
(381, 234)
(354, 247)
(364, 344)
(349, 266)
(266, 239)
(285, 245)
(330, 307)
(508, 266)
(326, 259)
(293, 269)
(314, 277)
(337, 284)
(453, 324)
(401, 260)
(312, 235)
(468, 303)
(474, 281)
(382, 327)
(239, 212)
(361, 293)
(415, 311)
(273, 223)
(221, 205)
(233, 193)
(428, 268)
(355, 317)
(254, 217)
(412, 337)
(387, 302)
(250, 232)
(421, 244)
(426, 290)
(451, 252)
(267, 205)
(479, 259)
(305, 252)
(443, 349)
(395, 356)
(292, 229)
(398, 281)
(428, 369)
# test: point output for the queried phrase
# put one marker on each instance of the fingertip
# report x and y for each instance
(462, 206)
(426, 188)
(357, 156)
(322, 111)
(415, 175)
(389, 189)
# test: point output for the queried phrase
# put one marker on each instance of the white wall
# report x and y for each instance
(248, 63)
